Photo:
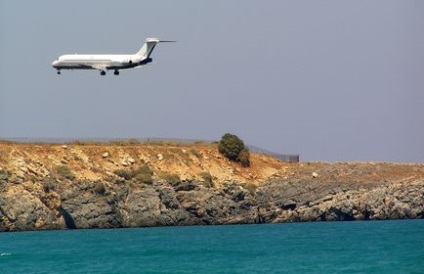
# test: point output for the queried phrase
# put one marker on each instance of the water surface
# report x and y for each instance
(327, 247)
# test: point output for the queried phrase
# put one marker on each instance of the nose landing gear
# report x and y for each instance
(116, 72)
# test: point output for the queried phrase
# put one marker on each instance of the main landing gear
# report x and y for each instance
(103, 73)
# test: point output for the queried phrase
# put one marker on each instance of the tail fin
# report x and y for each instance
(148, 47)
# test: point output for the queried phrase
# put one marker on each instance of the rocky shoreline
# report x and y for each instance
(301, 192)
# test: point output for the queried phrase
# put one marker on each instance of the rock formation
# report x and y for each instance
(97, 186)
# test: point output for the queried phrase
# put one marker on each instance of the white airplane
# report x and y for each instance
(108, 61)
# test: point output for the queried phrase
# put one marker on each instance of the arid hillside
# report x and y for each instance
(132, 184)
(97, 161)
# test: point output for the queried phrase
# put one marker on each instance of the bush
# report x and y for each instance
(64, 172)
(207, 177)
(195, 152)
(244, 157)
(124, 173)
(144, 174)
(4, 174)
(100, 188)
(251, 187)
(232, 147)
(172, 179)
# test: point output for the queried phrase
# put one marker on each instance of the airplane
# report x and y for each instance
(108, 61)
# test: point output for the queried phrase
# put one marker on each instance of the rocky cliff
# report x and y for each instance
(134, 184)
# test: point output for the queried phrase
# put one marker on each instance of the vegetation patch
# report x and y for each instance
(142, 174)
(233, 148)
(64, 172)
(207, 178)
(195, 152)
(124, 173)
(4, 174)
(100, 188)
(244, 157)
(251, 187)
(170, 178)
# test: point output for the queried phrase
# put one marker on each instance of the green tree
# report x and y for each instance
(232, 147)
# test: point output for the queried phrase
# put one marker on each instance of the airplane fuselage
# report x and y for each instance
(103, 62)
(96, 61)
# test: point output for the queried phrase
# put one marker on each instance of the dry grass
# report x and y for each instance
(188, 161)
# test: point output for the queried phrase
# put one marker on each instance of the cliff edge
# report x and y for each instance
(131, 184)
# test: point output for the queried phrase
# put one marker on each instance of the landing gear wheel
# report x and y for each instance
(58, 72)
(102, 72)
(116, 72)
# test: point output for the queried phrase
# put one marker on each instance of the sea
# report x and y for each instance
(317, 247)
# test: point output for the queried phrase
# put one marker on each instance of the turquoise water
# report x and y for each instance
(328, 247)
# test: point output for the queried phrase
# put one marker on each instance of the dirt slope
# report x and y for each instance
(98, 161)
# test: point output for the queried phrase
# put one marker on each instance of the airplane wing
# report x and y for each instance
(145, 65)
(99, 67)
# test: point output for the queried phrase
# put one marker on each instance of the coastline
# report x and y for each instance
(95, 192)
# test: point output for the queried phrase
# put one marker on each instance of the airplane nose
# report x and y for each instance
(54, 64)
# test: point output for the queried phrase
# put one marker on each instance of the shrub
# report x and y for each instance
(207, 177)
(232, 147)
(100, 188)
(144, 174)
(244, 157)
(124, 173)
(195, 152)
(172, 179)
(64, 172)
(4, 174)
(251, 187)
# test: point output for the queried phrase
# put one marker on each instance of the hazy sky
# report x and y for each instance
(330, 80)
